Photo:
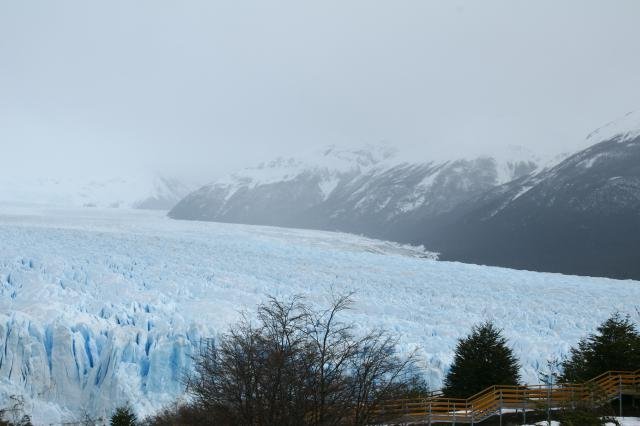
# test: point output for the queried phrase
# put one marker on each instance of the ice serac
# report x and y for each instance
(87, 368)
(372, 190)
(102, 307)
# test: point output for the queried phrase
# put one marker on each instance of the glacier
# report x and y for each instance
(102, 307)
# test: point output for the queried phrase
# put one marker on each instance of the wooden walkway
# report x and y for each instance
(494, 400)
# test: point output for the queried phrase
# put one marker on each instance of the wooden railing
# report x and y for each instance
(492, 401)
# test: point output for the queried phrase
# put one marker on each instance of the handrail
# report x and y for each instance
(490, 401)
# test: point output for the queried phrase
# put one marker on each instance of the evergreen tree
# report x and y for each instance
(482, 359)
(615, 346)
(124, 416)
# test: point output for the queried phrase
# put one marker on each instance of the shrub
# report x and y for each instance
(585, 415)
(180, 415)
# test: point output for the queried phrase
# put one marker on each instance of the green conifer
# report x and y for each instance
(615, 346)
(124, 416)
(482, 359)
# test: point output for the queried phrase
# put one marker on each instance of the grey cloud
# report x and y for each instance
(209, 86)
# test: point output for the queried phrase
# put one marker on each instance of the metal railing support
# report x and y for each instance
(549, 404)
(526, 403)
(620, 392)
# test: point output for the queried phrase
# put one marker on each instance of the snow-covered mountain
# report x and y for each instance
(99, 307)
(580, 215)
(142, 190)
(372, 191)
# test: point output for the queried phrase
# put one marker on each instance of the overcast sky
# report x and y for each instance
(209, 86)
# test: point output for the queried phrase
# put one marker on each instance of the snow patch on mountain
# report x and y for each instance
(589, 162)
(513, 162)
(622, 129)
(328, 186)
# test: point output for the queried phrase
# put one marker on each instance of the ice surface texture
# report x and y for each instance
(102, 307)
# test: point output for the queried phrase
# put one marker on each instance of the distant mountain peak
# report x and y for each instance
(622, 129)
(369, 154)
(330, 162)
(336, 158)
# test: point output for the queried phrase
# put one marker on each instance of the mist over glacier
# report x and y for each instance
(103, 307)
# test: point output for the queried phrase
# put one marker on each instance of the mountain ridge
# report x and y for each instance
(372, 184)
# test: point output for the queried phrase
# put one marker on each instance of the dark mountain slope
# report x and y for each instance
(580, 217)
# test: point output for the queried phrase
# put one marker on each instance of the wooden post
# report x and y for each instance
(620, 392)
(426, 413)
(500, 407)
(429, 413)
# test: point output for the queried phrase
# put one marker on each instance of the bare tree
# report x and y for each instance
(257, 375)
(297, 365)
(378, 374)
(333, 347)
